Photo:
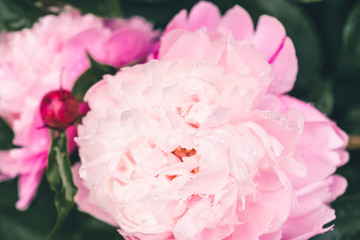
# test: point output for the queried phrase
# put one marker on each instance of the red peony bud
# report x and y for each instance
(59, 109)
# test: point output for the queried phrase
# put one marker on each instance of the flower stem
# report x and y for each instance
(354, 142)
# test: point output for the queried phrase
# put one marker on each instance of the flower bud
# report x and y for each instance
(59, 109)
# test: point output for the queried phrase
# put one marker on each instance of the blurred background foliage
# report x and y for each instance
(326, 34)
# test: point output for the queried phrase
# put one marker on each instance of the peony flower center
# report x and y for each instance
(180, 153)
(183, 152)
(59, 109)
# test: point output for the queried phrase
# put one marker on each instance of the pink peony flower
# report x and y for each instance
(52, 55)
(203, 144)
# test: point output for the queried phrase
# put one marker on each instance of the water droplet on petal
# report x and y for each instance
(152, 144)
(290, 128)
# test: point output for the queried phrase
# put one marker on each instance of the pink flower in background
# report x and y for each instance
(202, 143)
(52, 55)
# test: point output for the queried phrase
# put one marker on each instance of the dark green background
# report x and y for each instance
(326, 35)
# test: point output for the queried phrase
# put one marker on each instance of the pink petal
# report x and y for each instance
(204, 14)
(319, 193)
(269, 36)
(309, 112)
(237, 22)
(82, 199)
(178, 22)
(321, 136)
(319, 169)
(270, 39)
(285, 67)
(130, 43)
(337, 187)
(272, 236)
(74, 58)
(125, 46)
(333, 136)
(29, 182)
(310, 225)
(4, 177)
(220, 232)
(181, 44)
(267, 214)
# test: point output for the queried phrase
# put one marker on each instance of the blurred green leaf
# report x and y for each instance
(60, 177)
(323, 97)
(307, 1)
(19, 14)
(159, 12)
(35, 222)
(14, 228)
(90, 228)
(151, 1)
(351, 120)
(103, 8)
(6, 136)
(90, 77)
(350, 56)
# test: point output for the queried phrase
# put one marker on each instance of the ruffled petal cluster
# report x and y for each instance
(50, 56)
(269, 38)
(203, 143)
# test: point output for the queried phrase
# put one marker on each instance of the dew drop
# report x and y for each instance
(152, 144)
(219, 131)
(264, 115)
(300, 131)
(291, 128)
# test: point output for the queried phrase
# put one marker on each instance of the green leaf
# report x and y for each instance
(159, 12)
(90, 77)
(323, 97)
(307, 1)
(19, 14)
(151, 1)
(6, 136)
(350, 56)
(35, 223)
(103, 8)
(90, 228)
(59, 176)
(351, 121)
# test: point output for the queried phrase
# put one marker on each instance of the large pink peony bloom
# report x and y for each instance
(202, 144)
(52, 55)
